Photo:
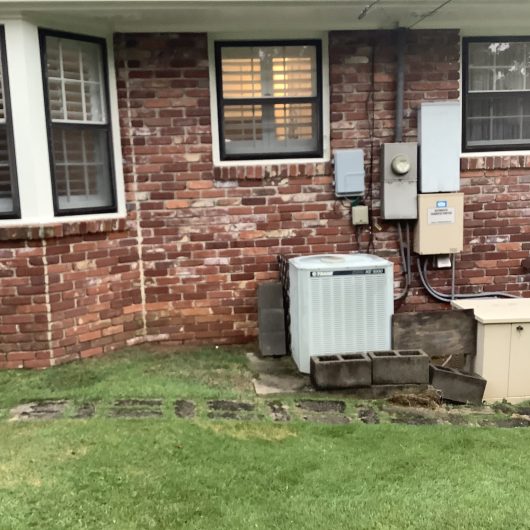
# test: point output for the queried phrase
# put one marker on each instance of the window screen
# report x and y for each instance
(269, 96)
(9, 207)
(497, 100)
(78, 124)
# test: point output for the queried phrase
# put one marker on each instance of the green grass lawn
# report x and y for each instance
(204, 474)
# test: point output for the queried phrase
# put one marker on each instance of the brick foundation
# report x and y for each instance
(184, 265)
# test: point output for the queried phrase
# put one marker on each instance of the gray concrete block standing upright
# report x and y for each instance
(271, 320)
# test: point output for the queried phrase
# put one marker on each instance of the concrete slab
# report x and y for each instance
(276, 375)
(136, 408)
(268, 385)
(39, 410)
(185, 408)
(278, 411)
(222, 409)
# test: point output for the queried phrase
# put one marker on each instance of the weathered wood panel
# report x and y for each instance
(439, 334)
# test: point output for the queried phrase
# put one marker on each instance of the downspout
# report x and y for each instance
(401, 36)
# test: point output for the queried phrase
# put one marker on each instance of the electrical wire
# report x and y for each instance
(364, 12)
(430, 13)
(442, 297)
(370, 113)
(404, 265)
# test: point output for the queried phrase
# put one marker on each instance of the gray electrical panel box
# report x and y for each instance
(399, 181)
(349, 172)
(440, 139)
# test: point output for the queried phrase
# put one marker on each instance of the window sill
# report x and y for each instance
(271, 169)
(18, 230)
(482, 154)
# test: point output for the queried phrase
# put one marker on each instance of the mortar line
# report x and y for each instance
(139, 235)
(47, 301)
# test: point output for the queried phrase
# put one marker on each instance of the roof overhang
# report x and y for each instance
(471, 16)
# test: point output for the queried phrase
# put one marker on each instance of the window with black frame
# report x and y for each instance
(9, 204)
(269, 97)
(75, 78)
(496, 93)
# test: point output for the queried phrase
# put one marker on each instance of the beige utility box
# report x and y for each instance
(503, 346)
(440, 226)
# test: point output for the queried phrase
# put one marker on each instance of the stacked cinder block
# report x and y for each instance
(393, 367)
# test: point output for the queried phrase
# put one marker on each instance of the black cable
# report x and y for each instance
(430, 13)
(370, 113)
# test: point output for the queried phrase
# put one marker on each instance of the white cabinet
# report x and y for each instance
(503, 346)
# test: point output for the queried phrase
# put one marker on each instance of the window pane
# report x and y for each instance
(294, 121)
(498, 66)
(268, 71)
(2, 97)
(481, 79)
(510, 54)
(480, 54)
(74, 101)
(243, 123)
(55, 91)
(94, 110)
(75, 85)
(478, 130)
(270, 129)
(6, 195)
(241, 73)
(8, 190)
(498, 118)
(506, 129)
(82, 169)
(512, 78)
(294, 72)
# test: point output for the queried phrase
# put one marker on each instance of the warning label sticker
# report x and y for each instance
(440, 216)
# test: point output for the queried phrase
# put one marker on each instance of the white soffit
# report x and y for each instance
(471, 16)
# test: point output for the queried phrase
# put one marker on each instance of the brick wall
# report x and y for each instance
(65, 292)
(185, 264)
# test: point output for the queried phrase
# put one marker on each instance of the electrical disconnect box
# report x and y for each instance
(349, 172)
(440, 139)
(440, 226)
(399, 181)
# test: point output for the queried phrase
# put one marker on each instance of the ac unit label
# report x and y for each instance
(321, 274)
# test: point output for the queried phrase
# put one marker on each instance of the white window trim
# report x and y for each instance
(326, 134)
(30, 133)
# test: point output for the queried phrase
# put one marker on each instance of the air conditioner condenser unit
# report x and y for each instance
(339, 303)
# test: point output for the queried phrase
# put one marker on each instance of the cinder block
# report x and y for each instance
(271, 320)
(456, 385)
(399, 367)
(341, 371)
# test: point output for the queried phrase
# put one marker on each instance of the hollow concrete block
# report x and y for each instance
(341, 371)
(399, 367)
